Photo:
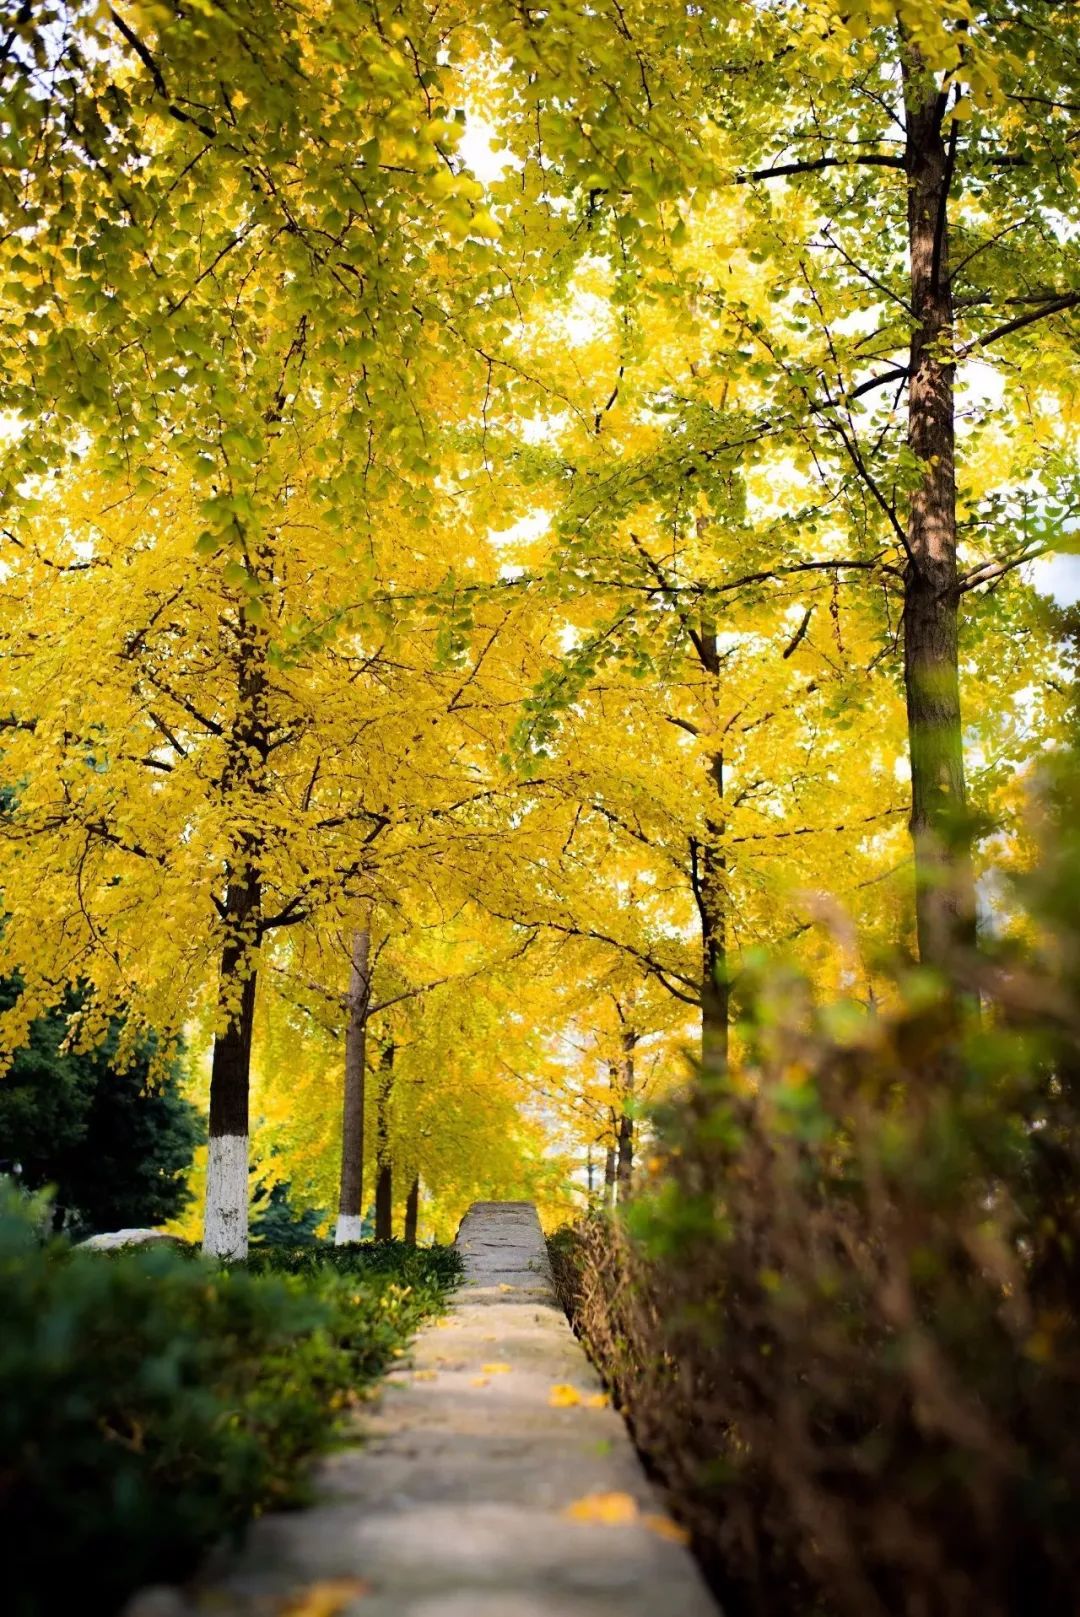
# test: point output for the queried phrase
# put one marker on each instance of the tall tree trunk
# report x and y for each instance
(625, 1162)
(412, 1211)
(384, 1175)
(609, 1176)
(225, 1226)
(944, 889)
(709, 877)
(712, 909)
(350, 1200)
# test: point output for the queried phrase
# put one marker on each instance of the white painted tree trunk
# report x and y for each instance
(349, 1227)
(225, 1232)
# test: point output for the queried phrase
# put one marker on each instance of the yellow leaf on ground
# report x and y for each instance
(563, 1396)
(479, 1381)
(604, 1509)
(598, 1400)
(424, 1375)
(495, 1369)
(504, 1287)
(324, 1599)
(666, 1528)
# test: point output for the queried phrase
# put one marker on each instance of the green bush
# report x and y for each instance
(150, 1401)
(410, 1265)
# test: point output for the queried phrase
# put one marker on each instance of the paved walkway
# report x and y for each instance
(492, 1480)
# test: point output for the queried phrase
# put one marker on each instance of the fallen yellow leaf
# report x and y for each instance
(424, 1375)
(598, 1400)
(504, 1287)
(666, 1528)
(479, 1381)
(563, 1396)
(604, 1509)
(324, 1599)
(495, 1369)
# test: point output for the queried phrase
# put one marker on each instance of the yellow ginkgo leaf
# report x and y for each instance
(665, 1528)
(605, 1509)
(504, 1287)
(324, 1599)
(495, 1369)
(597, 1400)
(563, 1396)
(479, 1381)
(424, 1375)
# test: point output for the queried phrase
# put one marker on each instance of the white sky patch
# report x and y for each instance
(523, 531)
(477, 146)
(1058, 576)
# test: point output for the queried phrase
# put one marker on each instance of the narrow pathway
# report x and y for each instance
(490, 1480)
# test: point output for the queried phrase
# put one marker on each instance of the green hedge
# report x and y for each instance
(150, 1401)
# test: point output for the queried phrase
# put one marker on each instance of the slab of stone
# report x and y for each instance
(471, 1488)
(115, 1239)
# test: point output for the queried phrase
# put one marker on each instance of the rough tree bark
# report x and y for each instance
(944, 888)
(350, 1199)
(384, 1172)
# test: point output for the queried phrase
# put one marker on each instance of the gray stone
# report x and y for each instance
(118, 1238)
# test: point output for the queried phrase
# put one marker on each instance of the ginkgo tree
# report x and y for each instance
(897, 172)
(452, 622)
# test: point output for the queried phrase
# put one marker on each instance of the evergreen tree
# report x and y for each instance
(114, 1146)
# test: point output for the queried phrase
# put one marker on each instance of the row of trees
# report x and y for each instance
(452, 618)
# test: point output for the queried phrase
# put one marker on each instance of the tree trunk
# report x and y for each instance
(944, 889)
(708, 874)
(609, 1177)
(625, 1161)
(225, 1226)
(412, 1211)
(350, 1200)
(384, 1177)
(712, 909)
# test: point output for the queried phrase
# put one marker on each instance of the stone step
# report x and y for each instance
(468, 1491)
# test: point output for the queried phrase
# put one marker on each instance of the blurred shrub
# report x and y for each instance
(150, 1402)
(844, 1318)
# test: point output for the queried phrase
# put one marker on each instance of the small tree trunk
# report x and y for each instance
(412, 1211)
(944, 888)
(384, 1178)
(350, 1200)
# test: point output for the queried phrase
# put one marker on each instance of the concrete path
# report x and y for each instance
(491, 1479)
